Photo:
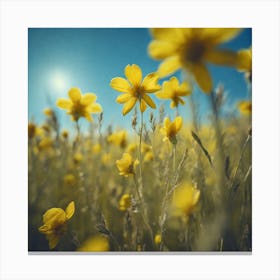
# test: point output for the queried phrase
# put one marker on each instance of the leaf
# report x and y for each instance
(198, 141)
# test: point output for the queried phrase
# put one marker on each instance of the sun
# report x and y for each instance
(58, 81)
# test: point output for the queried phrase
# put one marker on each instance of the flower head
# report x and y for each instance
(48, 112)
(171, 129)
(118, 138)
(95, 244)
(79, 105)
(133, 89)
(55, 223)
(191, 49)
(157, 239)
(244, 62)
(173, 90)
(245, 107)
(126, 165)
(185, 199)
(125, 202)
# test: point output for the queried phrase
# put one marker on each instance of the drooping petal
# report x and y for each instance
(70, 210)
(134, 74)
(88, 98)
(129, 105)
(75, 95)
(64, 103)
(161, 49)
(149, 101)
(221, 57)
(95, 108)
(169, 66)
(150, 83)
(120, 84)
(202, 77)
(143, 106)
(123, 98)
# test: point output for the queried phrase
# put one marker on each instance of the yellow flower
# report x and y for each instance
(131, 148)
(134, 89)
(173, 90)
(95, 244)
(69, 179)
(126, 165)
(45, 144)
(55, 223)
(118, 138)
(244, 62)
(191, 49)
(48, 112)
(125, 202)
(79, 105)
(78, 157)
(31, 130)
(157, 239)
(65, 134)
(171, 129)
(245, 107)
(96, 148)
(185, 198)
(149, 156)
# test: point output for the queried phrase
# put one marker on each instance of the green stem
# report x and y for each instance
(140, 154)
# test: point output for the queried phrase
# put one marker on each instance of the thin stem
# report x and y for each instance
(140, 154)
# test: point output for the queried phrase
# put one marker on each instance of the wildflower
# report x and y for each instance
(149, 156)
(171, 129)
(55, 223)
(78, 157)
(96, 148)
(125, 202)
(31, 130)
(95, 244)
(245, 107)
(134, 89)
(119, 138)
(185, 199)
(157, 239)
(48, 112)
(79, 105)
(191, 49)
(131, 148)
(45, 144)
(244, 62)
(106, 158)
(126, 165)
(173, 90)
(69, 179)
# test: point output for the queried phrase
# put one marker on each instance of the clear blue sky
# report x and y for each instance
(88, 58)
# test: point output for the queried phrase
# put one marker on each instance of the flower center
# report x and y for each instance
(194, 51)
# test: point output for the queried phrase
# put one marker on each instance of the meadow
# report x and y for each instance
(164, 184)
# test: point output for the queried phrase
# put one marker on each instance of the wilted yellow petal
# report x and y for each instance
(75, 94)
(120, 84)
(88, 98)
(129, 105)
(64, 103)
(134, 74)
(70, 210)
(202, 77)
(169, 66)
(123, 98)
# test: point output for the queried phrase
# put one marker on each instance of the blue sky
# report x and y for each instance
(88, 58)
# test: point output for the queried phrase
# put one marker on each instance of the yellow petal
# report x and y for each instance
(150, 83)
(70, 210)
(75, 94)
(202, 77)
(244, 60)
(88, 116)
(143, 106)
(134, 74)
(95, 108)
(129, 105)
(88, 98)
(184, 89)
(175, 35)
(54, 216)
(120, 84)
(221, 57)
(220, 35)
(64, 103)
(169, 66)
(149, 101)
(178, 123)
(167, 122)
(161, 49)
(174, 83)
(53, 240)
(163, 94)
(123, 98)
